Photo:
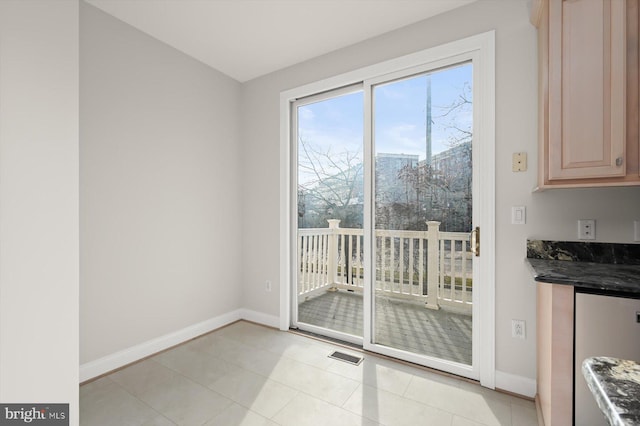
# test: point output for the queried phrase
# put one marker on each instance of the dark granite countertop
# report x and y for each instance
(607, 267)
(588, 275)
(615, 384)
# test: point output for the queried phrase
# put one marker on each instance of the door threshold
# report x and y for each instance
(327, 339)
(359, 348)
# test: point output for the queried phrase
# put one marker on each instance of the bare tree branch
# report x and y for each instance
(332, 182)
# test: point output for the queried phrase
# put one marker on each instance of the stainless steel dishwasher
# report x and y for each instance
(604, 326)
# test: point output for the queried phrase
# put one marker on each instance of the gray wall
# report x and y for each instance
(551, 215)
(175, 194)
(39, 202)
(160, 217)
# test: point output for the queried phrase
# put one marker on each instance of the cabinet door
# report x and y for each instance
(587, 79)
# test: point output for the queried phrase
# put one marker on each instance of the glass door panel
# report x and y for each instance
(422, 214)
(330, 249)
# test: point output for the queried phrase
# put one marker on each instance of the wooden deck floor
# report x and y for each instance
(399, 323)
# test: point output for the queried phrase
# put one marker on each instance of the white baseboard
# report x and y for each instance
(135, 353)
(516, 384)
(260, 318)
(119, 359)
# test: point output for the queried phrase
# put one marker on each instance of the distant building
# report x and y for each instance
(389, 188)
(452, 195)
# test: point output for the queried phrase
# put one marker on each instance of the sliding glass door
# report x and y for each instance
(386, 188)
(328, 130)
(422, 134)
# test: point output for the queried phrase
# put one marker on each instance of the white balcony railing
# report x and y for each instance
(432, 266)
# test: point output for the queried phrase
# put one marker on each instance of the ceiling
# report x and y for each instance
(246, 39)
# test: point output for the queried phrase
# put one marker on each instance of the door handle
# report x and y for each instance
(475, 241)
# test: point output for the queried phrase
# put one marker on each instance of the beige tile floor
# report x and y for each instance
(250, 375)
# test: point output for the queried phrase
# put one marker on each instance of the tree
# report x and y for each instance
(330, 186)
(462, 105)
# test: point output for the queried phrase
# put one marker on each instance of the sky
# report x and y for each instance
(336, 124)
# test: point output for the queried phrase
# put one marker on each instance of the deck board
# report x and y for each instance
(399, 323)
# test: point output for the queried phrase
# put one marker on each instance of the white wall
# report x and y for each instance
(551, 215)
(160, 216)
(39, 202)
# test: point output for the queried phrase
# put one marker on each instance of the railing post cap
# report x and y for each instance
(333, 223)
(433, 223)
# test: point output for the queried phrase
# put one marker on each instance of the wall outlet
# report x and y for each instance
(586, 229)
(518, 329)
(267, 285)
(636, 230)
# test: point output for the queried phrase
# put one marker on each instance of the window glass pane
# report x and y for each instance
(330, 213)
(423, 170)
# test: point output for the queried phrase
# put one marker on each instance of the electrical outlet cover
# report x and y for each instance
(519, 162)
(587, 229)
(518, 329)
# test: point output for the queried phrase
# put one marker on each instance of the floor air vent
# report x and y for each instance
(355, 360)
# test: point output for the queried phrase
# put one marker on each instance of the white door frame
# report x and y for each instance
(482, 48)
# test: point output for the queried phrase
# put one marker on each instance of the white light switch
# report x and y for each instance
(518, 215)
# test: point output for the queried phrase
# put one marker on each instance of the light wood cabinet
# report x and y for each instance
(555, 353)
(588, 101)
